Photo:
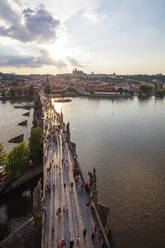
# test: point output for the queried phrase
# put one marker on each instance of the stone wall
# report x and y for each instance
(22, 179)
(27, 236)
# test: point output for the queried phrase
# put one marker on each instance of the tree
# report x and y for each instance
(47, 89)
(160, 92)
(131, 92)
(3, 93)
(126, 91)
(17, 160)
(19, 91)
(158, 86)
(25, 91)
(35, 145)
(31, 90)
(145, 90)
(120, 90)
(2, 156)
(14, 83)
(12, 91)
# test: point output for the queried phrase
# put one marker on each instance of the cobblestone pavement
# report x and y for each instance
(66, 226)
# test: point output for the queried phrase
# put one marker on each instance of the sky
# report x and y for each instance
(100, 36)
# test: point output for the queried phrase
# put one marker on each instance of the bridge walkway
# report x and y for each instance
(65, 226)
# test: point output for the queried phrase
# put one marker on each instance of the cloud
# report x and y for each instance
(7, 13)
(27, 11)
(74, 62)
(30, 61)
(31, 25)
(93, 16)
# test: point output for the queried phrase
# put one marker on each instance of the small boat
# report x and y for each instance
(63, 100)
(25, 105)
(29, 105)
(19, 106)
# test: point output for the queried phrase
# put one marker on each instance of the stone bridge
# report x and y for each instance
(69, 204)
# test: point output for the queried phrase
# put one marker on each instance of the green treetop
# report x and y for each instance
(12, 92)
(31, 90)
(120, 90)
(47, 89)
(145, 90)
(2, 156)
(35, 145)
(17, 160)
(3, 93)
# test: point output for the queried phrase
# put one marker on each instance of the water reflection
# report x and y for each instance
(57, 105)
(10, 117)
(124, 140)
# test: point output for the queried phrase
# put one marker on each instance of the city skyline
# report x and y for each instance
(105, 36)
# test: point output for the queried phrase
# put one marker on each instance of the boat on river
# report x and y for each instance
(24, 105)
(63, 100)
(19, 106)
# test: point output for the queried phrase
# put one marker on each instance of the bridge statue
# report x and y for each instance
(92, 186)
(61, 117)
(68, 129)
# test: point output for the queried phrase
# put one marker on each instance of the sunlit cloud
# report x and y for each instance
(30, 61)
(30, 26)
(94, 16)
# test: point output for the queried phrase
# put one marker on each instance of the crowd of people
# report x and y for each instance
(55, 134)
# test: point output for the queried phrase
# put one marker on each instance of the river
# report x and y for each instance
(124, 139)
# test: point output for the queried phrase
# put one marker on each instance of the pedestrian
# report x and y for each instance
(71, 185)
(99, 235)
(53, 186)
(92, 237)
(102, 243)
(44, 209)
(65, 186)
(92, 209)
(95, 228)
(58, 213)
(59, 244)
(59, 170)
(78, 240)
(67, 210)
(63, 243)
(64, 209)
(84, 234)
(71, 244)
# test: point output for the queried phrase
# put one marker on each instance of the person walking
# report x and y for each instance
(63, 243)
(93, 238)
(78, 240)
(58, 213)
(64, 186)
(71, 244)
(59, 244)
(64, 209)
(71, 186)
(84, 234)
(95, 228)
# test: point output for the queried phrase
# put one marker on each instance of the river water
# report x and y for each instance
(124, 139)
